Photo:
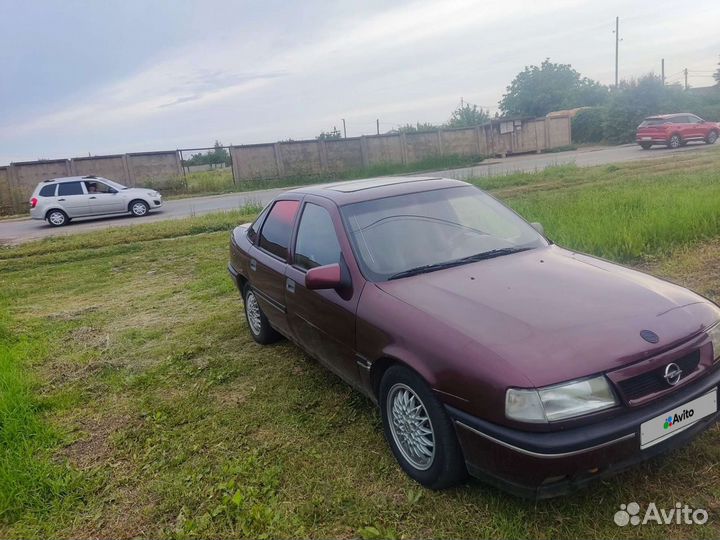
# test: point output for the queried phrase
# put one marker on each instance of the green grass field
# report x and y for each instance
(133, 401)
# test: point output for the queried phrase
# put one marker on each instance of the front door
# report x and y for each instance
(104, 199)
(268, 261)
(322, 321)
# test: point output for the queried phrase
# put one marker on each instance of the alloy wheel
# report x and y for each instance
(139, 208)
(252, 309)
(411, 427)
(675, 141)
(56, 218)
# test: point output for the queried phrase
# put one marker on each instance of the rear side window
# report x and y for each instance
(680, 120)
(276, 230)
(252, 233)
(48, 191)
(69, 188)
(317, 243)
(653, 122)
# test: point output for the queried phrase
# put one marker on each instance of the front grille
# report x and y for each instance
(654, 381)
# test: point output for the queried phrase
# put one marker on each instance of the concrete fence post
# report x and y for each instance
(126, 166)
(403, 148)
(477, 141)
(279, 160)
(73, 167)
(364, 157)
(441, 150)
(322, 150)
(13, 185)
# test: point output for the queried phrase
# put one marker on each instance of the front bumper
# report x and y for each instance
(542, 465)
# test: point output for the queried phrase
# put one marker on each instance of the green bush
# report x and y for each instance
(587, 125)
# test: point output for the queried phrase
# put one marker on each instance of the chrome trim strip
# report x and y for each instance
(274, 303)
(541, 455)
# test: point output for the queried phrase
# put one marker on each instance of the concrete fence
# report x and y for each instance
(318, 157)
(297, 158)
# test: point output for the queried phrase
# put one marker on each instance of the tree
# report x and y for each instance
(538, 90)
(419, 126)
(334, 134)
(716, 75)
(218, 155)
(467, 115)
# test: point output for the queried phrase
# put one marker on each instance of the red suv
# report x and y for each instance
(675, 130)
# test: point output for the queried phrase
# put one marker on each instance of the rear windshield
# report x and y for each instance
(653, 122)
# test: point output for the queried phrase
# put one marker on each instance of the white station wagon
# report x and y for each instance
(60, 200)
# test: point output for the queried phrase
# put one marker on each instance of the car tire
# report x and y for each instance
(645, 146)
(675, 141)
(712, 137)
(57, 218)
(260, 328)
(415, 424)
(139, 208)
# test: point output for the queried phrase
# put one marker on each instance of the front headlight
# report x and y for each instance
(714, 334)
(560, 401)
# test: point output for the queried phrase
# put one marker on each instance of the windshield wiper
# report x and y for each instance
(457, 262)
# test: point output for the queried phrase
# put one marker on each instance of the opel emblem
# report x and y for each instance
(672, 374)
(649, 336)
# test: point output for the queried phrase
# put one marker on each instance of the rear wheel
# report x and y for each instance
(675, 141)
(57, 218)
(260, 328)
(712, 137)
(418, 430)
(645, 146)
(139, 208)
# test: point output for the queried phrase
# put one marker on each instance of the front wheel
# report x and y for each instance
(139, 208)
(419, 431)
(712, 137)
(675, 141)
(645, 146)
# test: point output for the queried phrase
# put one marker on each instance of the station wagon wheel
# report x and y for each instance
(57, 218)
(260, 328)
(675, 141)
(139, 208)
(418, 430)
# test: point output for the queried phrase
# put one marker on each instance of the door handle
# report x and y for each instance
(290, 285)
(93, 197)
(253, 265)
(61, 199)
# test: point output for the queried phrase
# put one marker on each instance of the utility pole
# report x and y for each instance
(378, 126)
(685, 73)
(617, 46)
(662, 70)
(344, 130)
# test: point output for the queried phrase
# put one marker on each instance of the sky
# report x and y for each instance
(115, 76)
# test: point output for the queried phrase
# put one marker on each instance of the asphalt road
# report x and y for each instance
(16, 231)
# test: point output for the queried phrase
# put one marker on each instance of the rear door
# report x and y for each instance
(323, 321)
(268, 262)
(104, 199)
(73, 199)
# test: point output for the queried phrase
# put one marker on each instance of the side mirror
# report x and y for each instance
(538, 227)
(112, 191)
(324, 277)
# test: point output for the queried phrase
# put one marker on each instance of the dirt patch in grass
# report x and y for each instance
(93, 446)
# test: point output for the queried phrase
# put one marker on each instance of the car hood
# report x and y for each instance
(556, 315)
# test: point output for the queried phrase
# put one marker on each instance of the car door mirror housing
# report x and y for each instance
(324, 277)
(538, 227)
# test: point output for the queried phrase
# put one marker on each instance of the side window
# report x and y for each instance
(317, 243)
(276, 230)
(98, 187)
(693, 119)
(680, 120)
(48, 191)
(255, 227)
(70, 188)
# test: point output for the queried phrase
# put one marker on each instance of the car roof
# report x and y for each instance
(672, 115)
(62, 179)
(351, 191)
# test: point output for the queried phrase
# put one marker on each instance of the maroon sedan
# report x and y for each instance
(487, 348)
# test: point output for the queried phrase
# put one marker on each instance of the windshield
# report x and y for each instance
(398, 236)
(114, 184)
